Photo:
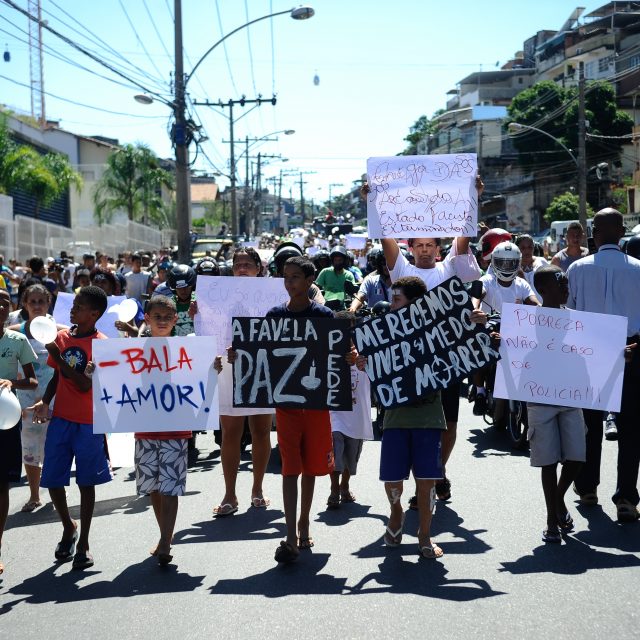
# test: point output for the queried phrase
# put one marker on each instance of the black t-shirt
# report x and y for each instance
(314, 310)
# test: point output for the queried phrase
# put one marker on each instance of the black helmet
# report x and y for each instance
(181, 276)
(207, 267)
(380, 308)
(285, 251)
(632, 248)
(339, 250)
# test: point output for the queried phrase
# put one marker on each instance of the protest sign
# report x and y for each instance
(422, 196)
(561, 357)
(154, 384)
(221, 298)
(423, 347)
(105, 324)
(355, 241)
(291, 362)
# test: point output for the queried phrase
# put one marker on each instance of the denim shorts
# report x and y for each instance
(407, 450)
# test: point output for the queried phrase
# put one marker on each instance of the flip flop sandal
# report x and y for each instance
(223, 510)
(260, 503)
(565, 523)
(394, 538)
(66, 548)
(305, 543)
(333, 502)
(285, 553)
(431, 552)
(31, 506)
(551, 536)
(82, 560)
(347, 497)
(164, 559)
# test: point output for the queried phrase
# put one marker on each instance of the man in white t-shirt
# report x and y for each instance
(460, 262)
(501, 284)
(137, 280)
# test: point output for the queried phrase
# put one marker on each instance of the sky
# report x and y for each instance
(380, 65)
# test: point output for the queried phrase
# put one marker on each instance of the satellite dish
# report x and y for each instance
(316, 79)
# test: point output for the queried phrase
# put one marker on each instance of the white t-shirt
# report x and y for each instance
(356, 423)
(465, 267)
(528, 275)
(496, 295)
(137, 284)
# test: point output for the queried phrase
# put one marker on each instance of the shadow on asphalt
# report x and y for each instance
(423, 578)
(299, 578)
(491, 442)
(608, 533)
(59, 584)
(252, 524)
(571, 558)
(347, 512)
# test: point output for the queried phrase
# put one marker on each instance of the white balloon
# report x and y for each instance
(10, 410)
(43, 329)
(127, 310)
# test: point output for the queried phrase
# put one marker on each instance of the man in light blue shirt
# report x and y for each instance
(609, 282)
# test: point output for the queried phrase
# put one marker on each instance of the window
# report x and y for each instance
(604, 64)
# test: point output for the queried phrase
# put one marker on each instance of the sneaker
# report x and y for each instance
(590, 498)
(610, 427)
(443, 489)
(480, 404)
(627, 511)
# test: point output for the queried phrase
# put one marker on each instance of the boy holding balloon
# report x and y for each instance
(70, 434)
(14, 350)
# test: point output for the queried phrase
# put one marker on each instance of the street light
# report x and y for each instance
(516, 126)
(180, 133)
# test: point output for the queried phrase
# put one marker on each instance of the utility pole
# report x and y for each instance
(582, 151)
(180, 141)
(235, 222)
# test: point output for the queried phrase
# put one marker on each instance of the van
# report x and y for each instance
(558, 230)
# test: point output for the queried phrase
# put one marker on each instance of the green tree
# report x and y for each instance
(422, 127)
(554, 109)
(44, 178)
(566, 206)
(132, 182)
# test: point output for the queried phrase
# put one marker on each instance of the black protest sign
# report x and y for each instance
(425, 346)
(291, 362)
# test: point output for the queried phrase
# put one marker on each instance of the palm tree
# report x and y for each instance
(132, 182)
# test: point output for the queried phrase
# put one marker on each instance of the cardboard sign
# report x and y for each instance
(105, 324)
(154, 384)
(422, 196)
(423, 347)
(221, 298)
(291, 362)
(561, 357)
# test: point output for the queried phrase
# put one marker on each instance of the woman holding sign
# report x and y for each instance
(246, 263)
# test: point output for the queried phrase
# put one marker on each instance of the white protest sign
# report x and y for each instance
(355, 241)
(221, 298)
(422, 196)
(561, 357)
(311, 251)
(106, 324)
(154, 385)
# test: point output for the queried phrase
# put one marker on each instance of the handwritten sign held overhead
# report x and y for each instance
(291, 362)
(561, 357)
(154, 384)
(423, 347)
(422, 196)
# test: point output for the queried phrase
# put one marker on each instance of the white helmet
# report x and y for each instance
(505, 260)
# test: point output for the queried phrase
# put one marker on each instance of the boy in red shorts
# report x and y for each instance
(70, 433)
(304, 435)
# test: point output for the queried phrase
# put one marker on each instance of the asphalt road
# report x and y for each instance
(496, 580)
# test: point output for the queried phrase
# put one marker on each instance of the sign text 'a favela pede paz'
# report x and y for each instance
(562, 357)
(422, 196)
(291, 362)
(154, 384)
(423, 347)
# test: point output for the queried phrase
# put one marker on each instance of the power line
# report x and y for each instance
(80, 104)
(155, 28)
(224, 46)
(88, 53)
(139, 39)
